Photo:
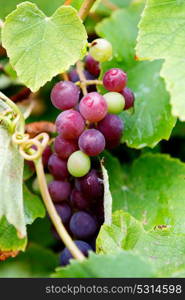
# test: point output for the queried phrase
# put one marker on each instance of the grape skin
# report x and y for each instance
(64, 211)
(92, 65)
(78, 164)
(78, 200)
(114, 80)
(91, 142)
(101, 50)
(70, 124)
(115, 102)
(93, 107)
(83, 225)
(64, 148)
(58, 167)
(65, 95)
(59, 190)
(129, 97)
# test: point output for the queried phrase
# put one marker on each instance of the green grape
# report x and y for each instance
(78, 164)
(35, 184)
(101, 50)
(115, 102)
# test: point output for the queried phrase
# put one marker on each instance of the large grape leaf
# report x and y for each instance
(161, 246)
(154, 192)
(151, 119)
(45, 46)
(162, 35)
(121, 264)
(35, 262)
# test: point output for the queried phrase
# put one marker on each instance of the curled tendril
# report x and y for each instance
(31, 149)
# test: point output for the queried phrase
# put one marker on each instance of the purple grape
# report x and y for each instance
(58, 167)
(91, 185)
(65, 95)
(115, 80)
(78, 201)
(59, 190)
(93, 107)
(111, 127)
(92, 65)
(83, 225)
(46, 155)
(64, 148)
(66, 255)
(70, 124)
(64, 211)
(92, 142)
(129, 98)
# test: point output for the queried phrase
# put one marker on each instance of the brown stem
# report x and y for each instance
(79, 69)
(90, 82)
(65, 76)
(110, 5)
(85, 8)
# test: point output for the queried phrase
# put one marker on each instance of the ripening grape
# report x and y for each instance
(83, 225)
(91, 185)
(78, 200)
(93, 107)
(70, 124)
(129, 97)
(66, 255)
(92, 65)
(59, 190)
(46, 155)
(111, 127)
(58, 167)
(115, 102)
(64, 211)
(65, 95)
(114, 80)
(78, 164)
(91, 142)
(64, 148)
(101, 50)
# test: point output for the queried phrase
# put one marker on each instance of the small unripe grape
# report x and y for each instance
(115, 102)
(101, 50)
(78, 164)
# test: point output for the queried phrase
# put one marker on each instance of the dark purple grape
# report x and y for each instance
(92, 142)
(70, 124)
(46, 155)
(93, 107)
(83, 225)
(129, 98)
(58, 167)
(111, 127)
(65, 95)
(91, 185)
(78, 200)
(64, 148)
(115, 80)
(92, 65)
(64, 211)
(66, 255)
(59, 190)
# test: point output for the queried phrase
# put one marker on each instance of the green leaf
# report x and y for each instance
(43, 43)
(35, 262)
(151, 120)
(163, 248)
(33, 207)
(162, 35)
(120, 265)
(107, 196)
(155, 192)
(27, 172)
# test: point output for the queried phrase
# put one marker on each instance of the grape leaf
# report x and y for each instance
(35, 262)
(120, 265)
(107, 196)
(161, 246)
(151, 119)
(155, 192)
(162, 36)
(42, 43)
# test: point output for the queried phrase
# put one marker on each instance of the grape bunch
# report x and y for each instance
(87, 125)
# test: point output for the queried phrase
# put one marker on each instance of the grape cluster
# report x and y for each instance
(86, 126)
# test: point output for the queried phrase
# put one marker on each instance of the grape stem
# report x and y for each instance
(76, 253)
(90, 82)
(79, 69)
(85, 8)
